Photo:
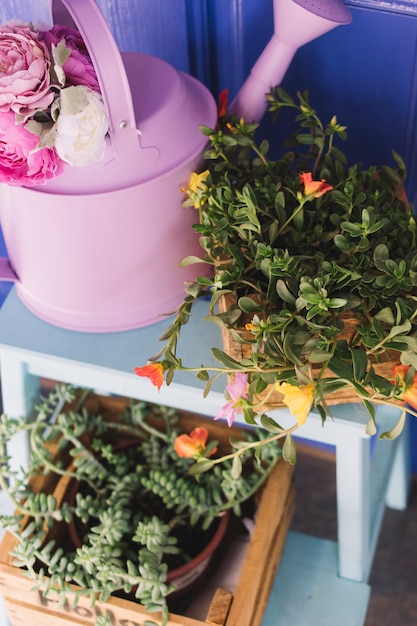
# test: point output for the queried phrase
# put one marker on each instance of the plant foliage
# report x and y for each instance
(298, 259)
(130, 501)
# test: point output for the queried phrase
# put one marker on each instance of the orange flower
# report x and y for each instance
(192, 445)
(314, 188)
(408, 391)
(153, 371)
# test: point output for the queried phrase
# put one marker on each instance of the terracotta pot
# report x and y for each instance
(184, 577)
(188, 575)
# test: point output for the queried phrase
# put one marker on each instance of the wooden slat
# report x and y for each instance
(273, 515)
(21, 601)
(219, 608)
(259, 566)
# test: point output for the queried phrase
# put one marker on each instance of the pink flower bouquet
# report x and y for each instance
(51, 109)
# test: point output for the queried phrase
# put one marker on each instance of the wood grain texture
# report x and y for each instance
(273, 515)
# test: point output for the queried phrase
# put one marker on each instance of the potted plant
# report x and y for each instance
(136, 502)
(314, 274)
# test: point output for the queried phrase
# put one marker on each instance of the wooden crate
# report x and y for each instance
(244, 607)
(239, 351)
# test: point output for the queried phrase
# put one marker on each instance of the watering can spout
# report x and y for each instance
(296, 22)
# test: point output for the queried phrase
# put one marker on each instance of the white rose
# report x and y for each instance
(81, 126)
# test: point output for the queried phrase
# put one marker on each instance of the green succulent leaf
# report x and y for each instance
(289, 452)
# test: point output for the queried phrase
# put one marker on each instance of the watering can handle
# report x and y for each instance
(112, 78)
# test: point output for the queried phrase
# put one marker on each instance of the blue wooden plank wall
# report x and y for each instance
(365, 72)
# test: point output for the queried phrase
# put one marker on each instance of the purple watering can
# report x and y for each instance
(97, 248)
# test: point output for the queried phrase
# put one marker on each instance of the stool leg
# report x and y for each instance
(20, 392)
(400, 476)
(353, 504)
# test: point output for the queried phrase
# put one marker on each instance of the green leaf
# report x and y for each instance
(201, 466)
(398, 428)
(190, 260)
(359, 362)
(353, 229)
(224, 319)
(283, 95)
(381, 253)
(226, 360)
(249, 305)
(370, 408)
(284, 293)
(337, 303)
(289, 352)
(238, 444)
(409, 358)
(402, 328)
(319, 356)
(60, 54)
(270, 424)
(371, 427)
(210, 383)
(340, 368)
(249, 416)
(306, 139)
(289, 452)
(342, 243)
(236, 467)
(385, 315)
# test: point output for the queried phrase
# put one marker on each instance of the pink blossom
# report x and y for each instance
(78, 68)
(20, 163)
(24, 71)
(236, 392)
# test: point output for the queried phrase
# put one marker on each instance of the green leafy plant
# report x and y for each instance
(306, 248)
(131, 502)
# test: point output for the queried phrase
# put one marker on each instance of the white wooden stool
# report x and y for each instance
(369, 472)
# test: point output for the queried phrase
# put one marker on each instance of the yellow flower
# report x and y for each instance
(299, 400)
(197, 183)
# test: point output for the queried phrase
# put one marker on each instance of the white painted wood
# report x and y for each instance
(400, 478)
(353, 506)
(19, 393)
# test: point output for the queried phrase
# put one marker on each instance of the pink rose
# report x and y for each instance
(24, 71)
(20, 163)
(78, 68)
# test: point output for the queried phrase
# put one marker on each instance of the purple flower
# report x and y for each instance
(20, 162)
(24, 71)
(78, 68)
(236, 392)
